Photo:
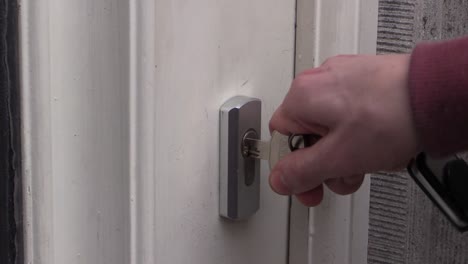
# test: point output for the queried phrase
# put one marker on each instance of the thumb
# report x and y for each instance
(307, 168)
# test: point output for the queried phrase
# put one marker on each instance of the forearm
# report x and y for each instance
(438, 84)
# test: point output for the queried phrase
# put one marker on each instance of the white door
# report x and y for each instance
(205, 52)
(120, 102)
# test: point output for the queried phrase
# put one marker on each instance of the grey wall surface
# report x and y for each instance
(405, 227)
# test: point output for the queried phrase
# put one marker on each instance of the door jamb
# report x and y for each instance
(326, 28)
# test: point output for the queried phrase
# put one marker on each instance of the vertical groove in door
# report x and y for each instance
(288, 249)
(10, 185)
(141, 94)
(298, 233)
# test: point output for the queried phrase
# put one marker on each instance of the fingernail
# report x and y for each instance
(278, 185)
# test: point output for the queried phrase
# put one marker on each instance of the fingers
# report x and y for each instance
(311, 198)
(345, 185)
(309, 106)
(306, 169)
(277, 185)
(342, 186)
(286, 125)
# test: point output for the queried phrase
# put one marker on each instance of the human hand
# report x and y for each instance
(360, 106)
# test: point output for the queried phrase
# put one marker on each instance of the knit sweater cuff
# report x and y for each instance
(438, 86)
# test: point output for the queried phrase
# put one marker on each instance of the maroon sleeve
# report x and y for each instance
(438, 84)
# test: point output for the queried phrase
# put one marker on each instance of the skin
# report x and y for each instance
(360, 106)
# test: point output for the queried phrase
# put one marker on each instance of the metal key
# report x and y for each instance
(277, 147)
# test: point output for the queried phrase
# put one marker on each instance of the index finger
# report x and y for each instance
(287, 125)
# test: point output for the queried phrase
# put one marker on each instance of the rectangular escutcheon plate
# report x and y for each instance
(239, 176)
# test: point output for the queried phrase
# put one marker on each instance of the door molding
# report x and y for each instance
(337, 230)
(35, 112)
(142, 126)
(74, 99)
(38, 98)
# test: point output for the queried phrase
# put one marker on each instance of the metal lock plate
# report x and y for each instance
(239, 175)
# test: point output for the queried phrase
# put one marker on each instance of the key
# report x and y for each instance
(277, 147)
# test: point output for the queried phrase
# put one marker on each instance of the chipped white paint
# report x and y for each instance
(120, 127)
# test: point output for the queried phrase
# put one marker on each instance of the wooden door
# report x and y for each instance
(205, 52)
(120, 121)
(120, 115)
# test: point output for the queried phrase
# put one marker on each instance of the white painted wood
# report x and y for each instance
(206, 52)
(75, 130)
(120, 122)
(299, 247)
(142, 129)
(339, 226)
(120, 127)
(36, 133)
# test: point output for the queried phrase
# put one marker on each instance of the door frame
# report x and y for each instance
(335, 27)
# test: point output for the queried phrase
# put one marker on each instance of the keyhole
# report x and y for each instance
(249, 162)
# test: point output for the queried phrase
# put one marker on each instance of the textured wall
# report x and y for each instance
(405, 227)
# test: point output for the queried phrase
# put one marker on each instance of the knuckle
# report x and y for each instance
(271, 125)
(340, 105)
(274, 122)
(327, 62)
(332, 61)
(300, 82)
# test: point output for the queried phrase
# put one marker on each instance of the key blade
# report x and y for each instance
(257, 149)
(279, 148)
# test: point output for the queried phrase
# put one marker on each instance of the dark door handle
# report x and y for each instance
(445, 182)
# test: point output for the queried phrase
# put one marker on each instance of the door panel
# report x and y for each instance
(206, 52)
(120, 125)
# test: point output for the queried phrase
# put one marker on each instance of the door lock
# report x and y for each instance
(241, 151)
(239, 174)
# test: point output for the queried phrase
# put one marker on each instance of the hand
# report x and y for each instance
(360, 106)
